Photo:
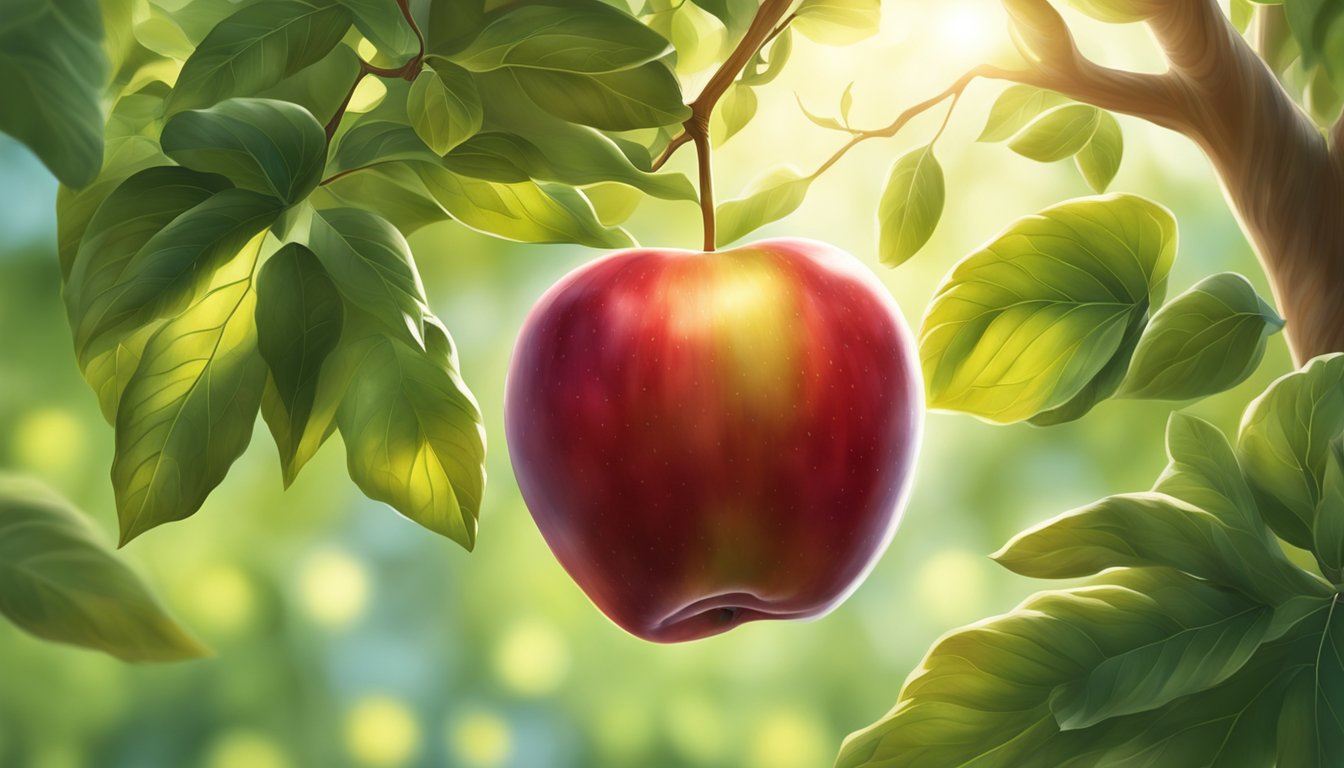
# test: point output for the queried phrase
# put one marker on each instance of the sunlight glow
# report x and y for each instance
(951, 585)
(49, 440)
(787, 738)
(963, 29)
(221, 597)
(335, 588)
(246, 749)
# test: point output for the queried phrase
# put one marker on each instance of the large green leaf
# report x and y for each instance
(983, 695)
(173, 264)
(444, 106)
(1027, 323)
(188, 410)
(272, 147)
(526, 211)
(256, 48)
(910, 207)
(1328, 531)
(1284, 445)
(1015, 107)
(584, 37)
(412, 430)
(75, 207)
(769, 198)
(1206, 634)
(59, 582)
(319, 88)
(1208, 339)
(53, 68)
(299, 319)
(647, 96)
(1150, 529)
(375, 142)
(371, 265)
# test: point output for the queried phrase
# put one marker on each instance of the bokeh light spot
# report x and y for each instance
(951, 586)
(965, 29)
(382, 731)
(532, 658)
(49, 440)
(221, 598)
(245, 749)
(789, 738)
(481, 740)
(696, 728)
(334, 587)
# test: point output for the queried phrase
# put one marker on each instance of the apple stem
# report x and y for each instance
(703, 160)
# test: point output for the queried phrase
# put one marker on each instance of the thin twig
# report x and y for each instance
(407, 71)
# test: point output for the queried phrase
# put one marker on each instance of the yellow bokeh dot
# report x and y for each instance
(221, 597)
(695, 727)
(334, 587)
(49, 440)
(481, 740)
(532, 658)
(246, 749)
(382, 731)
(950, 586)
(789, 738)
(368, 94)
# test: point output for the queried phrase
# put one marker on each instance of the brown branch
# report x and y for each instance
(706, 188)
(407, 71)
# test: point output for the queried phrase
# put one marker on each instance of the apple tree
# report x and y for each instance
(232, 237)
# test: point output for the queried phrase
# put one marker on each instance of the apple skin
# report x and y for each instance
(707, 439)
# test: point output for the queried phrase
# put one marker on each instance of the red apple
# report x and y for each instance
(706, 439)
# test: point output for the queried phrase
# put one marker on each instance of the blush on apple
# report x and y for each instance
(706, 439)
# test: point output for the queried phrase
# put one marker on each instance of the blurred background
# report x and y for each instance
(346, 635)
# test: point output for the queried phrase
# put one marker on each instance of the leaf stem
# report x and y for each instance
(770, 20)
(407, 71)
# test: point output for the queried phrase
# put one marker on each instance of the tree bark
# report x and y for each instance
(1280, 174)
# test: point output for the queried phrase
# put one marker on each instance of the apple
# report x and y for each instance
(707, 439)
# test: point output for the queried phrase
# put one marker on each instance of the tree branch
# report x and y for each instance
(407, 71)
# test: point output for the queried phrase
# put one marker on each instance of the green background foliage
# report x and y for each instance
(345, 634)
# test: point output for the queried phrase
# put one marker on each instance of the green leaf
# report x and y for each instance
(371, 265)
(53, 68)
(1203, 471)
(982, 695)
(528, 211)
(736, 15)
(1146, 530)
(1207, 340)
(734, 112)
(769, 198)
(319, 88)
(1015, 107)
(838, 22)
(256, 48)
(647, 96)
(1057, 134)
(444, 107)
(59, 582)
(381, 23)
(171, 266)
(188, 410)
(1099, 159)
(413, 432)
(1102, 386)
(1311, 726)
(299, 320)
(393, 191)
(1328, 532)
(766, 64)
(1206, 635)
(1284, 445)
(272, 147)
(75, 207)
(582, 37)
(910, 207)
(372, 142)
(1026, 324)
(565, 152)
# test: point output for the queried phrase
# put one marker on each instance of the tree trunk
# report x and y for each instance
(1283, 179)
